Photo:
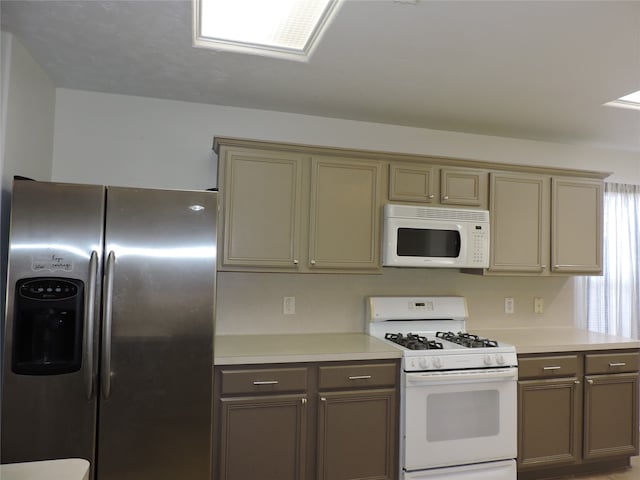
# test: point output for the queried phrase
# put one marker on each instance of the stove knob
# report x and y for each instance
(487, 360)
(437, 363)
(424, 362)
(412, 363)
(500, 359)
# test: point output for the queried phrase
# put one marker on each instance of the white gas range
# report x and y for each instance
(458, 404)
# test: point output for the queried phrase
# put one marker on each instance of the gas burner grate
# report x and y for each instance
(467, 340)
(413, 341)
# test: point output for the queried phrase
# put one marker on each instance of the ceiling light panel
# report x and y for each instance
(280, 28)
(628, 101)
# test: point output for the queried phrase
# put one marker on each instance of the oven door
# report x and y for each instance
(459, 418)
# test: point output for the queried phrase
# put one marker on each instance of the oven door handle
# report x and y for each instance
(466, 376)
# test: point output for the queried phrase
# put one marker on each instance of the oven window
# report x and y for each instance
(420, 242)
(460, 415)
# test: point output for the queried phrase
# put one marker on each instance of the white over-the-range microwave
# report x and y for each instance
(435, 237)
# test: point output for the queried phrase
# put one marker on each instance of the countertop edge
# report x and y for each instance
(326, 357)
(301, 348)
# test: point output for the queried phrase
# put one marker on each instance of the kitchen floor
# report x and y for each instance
(632, 473)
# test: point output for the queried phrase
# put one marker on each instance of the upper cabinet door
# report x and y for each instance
(262, 206)
(344, 217)
(576, 225)
(519, 222)
(463, 187)
(412, 183)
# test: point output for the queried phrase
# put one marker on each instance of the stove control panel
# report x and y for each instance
(464, 361)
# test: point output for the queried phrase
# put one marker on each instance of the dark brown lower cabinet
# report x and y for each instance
(577, 412)
(328, 421)
(356, 435)
(272, 428)
(611, 415)
(549, 414)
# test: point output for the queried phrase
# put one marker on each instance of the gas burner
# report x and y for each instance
(467, 340)
(413, 341)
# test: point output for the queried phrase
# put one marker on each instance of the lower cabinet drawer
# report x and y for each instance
(356, 376)
(264, 380)
(548, 367)
(602, 363)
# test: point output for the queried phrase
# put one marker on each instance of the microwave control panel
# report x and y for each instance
(480, 245)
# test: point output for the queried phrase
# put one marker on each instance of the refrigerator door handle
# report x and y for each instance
(106, 326)
(90, 315)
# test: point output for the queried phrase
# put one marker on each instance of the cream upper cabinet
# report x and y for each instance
(284, 211)
(263, 195)
(576, 225)
(344, 214)
(299, 208)
(463, 186)
(412, 183)
(437, 185)
(542, 224)
(519, 213)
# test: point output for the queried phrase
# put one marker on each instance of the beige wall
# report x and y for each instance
(113, 139)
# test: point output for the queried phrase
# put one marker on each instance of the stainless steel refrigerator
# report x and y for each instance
(108, 346)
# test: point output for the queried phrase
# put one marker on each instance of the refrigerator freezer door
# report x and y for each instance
(157, 335)
(49, 401)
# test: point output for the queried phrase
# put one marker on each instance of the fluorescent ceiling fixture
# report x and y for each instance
(628, 101)
(278, 28)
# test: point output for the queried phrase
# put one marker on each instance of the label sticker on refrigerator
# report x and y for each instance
(52, 261)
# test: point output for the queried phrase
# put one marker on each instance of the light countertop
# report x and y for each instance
(555, 339)
(64, 469)
(313, 347)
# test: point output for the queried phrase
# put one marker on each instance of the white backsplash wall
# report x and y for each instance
(252, 303)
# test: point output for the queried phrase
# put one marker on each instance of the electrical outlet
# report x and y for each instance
(509, 306)
(538, 305)
(289, 305)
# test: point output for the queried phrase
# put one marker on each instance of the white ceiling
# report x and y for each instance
(527, 69)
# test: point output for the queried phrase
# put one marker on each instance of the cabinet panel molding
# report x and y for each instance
(576, 225)
(344, 220)
(611, 415)
(356, 435)
(548, 419)
(519, 219)
(268, 430)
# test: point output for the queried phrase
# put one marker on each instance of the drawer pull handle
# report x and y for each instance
(360, 377)
(304, 401)
(552, 368)
(590, 382)
(266, 382)
(619, 364)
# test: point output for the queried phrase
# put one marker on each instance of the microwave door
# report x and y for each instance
(432, 246)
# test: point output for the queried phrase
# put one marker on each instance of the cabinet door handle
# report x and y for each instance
(432, 196)
(295, 262)
(323, 399)
(304, 401)
(266, 382)
(619, 364)
(313, 262)
(446, 197)
(577, 382)
(590, 382)
(360, 377)
(555, 367)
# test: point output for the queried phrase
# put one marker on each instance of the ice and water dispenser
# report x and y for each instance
(47, 329)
